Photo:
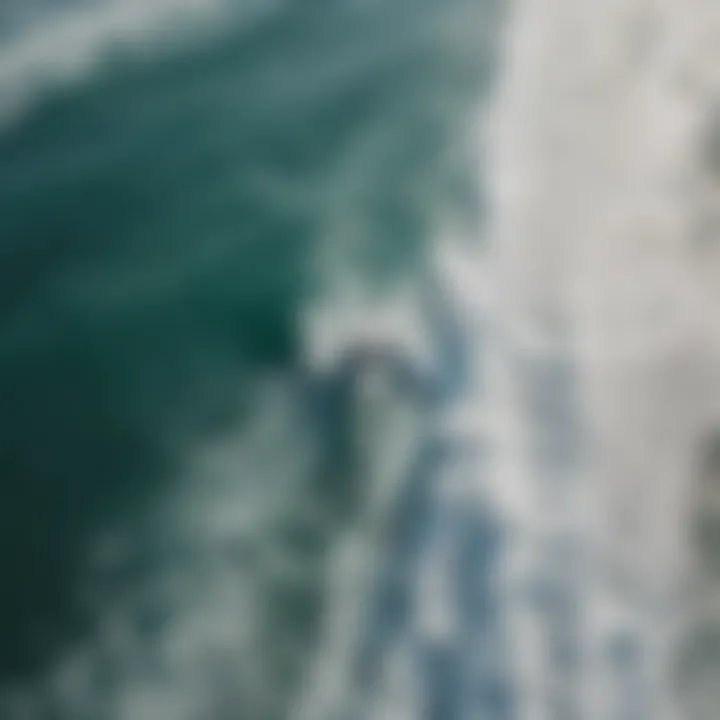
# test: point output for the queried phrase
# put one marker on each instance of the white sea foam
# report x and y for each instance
(67, 46)
(600, 188)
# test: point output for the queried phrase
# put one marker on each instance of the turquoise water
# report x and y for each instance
(168, 210)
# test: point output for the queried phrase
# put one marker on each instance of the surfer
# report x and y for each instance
(433, 592)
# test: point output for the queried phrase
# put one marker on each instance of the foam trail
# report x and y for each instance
(601, 192)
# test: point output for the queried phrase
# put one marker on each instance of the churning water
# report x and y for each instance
(359, 359)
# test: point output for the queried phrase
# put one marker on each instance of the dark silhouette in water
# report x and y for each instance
(449, 672)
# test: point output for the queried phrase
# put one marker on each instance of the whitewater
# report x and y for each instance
(604, 224)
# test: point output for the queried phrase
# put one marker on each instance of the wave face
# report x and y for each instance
(180, 181)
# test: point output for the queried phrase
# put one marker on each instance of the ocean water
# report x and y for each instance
(180, 184)
(358, 360)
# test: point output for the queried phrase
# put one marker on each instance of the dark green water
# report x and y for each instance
(163, 220)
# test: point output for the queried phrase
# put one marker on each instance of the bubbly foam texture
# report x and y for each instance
(605, 240)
